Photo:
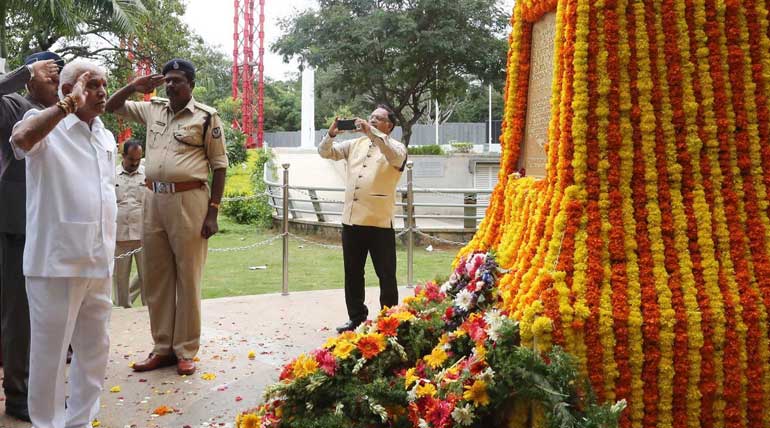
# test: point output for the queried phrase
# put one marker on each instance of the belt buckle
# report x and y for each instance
(161, 187)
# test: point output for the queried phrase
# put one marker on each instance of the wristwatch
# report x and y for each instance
(214, 205)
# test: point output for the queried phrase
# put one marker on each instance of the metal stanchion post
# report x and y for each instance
(411, 225)
(285, 288)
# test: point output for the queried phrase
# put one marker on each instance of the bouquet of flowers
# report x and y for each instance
(443, 358)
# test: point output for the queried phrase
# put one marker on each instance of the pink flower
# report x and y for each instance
(326, 361)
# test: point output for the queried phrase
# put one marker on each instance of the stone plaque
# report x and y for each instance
(428, 168)
(533, 156)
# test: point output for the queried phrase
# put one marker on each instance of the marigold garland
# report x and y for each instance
(647, 244)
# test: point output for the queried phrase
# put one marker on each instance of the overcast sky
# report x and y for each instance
(215, 24)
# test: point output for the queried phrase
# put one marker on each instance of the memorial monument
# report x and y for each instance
(645, 248)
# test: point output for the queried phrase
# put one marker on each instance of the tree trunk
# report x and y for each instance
(406, 132)
(3, 31)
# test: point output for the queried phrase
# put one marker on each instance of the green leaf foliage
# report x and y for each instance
(400, 53)
(429, 149)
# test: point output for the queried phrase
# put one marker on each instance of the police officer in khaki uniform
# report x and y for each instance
(184, 142)
(130, 191)
(374, 165)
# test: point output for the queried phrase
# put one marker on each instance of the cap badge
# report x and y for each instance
(175, 65)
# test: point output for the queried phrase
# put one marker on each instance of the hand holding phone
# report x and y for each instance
(346, 124)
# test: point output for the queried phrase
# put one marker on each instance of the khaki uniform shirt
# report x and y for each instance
(130, 191)
(177, 149)
(373, 171)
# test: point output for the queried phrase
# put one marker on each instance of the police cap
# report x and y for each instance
(182, 65)
(42, 56)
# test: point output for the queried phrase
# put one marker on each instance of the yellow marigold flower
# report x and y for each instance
(252, 355)
(115, 388)
(350, 336)
(403, 316)
(410, 377)
(249, 420)
(208, 376)
(444, 339)
(437, 357)
(460, 333)
(95, 423)
(426, 390)
(331, 342)
(477, 393)
(304, 366)
(343, 349)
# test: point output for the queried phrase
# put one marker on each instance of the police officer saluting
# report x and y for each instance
(184, 142)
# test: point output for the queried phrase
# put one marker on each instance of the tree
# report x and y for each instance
(474, 105)
(35, 25)
(400, 53)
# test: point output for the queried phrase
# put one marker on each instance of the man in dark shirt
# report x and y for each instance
(40, 75)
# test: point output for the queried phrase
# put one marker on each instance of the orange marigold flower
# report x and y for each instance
(162, 410)
(388, 326)
(371, 345)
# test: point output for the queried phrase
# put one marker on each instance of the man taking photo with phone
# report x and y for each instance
(374, 165)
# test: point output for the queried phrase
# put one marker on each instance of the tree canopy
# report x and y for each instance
(400, 53)
(36, 25)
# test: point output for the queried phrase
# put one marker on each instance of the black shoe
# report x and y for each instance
(20, 413)
(349, 326)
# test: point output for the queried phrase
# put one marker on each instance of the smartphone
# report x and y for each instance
(346, 124)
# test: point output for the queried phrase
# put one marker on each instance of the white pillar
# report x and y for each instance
(489, 143)
(437, 117)
(308, 109)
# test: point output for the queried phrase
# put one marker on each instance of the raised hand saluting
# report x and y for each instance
(146, 84)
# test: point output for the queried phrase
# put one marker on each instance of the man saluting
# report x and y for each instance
(184, 143)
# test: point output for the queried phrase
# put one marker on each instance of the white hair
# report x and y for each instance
(73, 70)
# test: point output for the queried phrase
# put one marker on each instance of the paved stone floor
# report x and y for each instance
(275, 327)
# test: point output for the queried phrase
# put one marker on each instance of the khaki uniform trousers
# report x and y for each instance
(123, 292)
(174, 256)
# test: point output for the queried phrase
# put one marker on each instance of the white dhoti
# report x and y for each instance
(66, 311)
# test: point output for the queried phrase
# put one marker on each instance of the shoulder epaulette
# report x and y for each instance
(158, 100)
(207, 109)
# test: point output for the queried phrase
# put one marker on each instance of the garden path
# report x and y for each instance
(276, 328)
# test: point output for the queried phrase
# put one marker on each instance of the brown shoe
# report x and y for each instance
(185, 366)
(155, 361)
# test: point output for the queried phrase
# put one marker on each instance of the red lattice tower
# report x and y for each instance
(243, 68)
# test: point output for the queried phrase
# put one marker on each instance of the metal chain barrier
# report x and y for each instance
(129, 254)
(246, 247)
(214, 250)
(318, 244)
(443, 241)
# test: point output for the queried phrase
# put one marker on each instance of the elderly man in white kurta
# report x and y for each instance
(71, 211)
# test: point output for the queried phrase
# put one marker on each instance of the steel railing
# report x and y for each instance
(281, 200)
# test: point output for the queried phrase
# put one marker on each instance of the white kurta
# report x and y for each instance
(71, 214)
(71, 206)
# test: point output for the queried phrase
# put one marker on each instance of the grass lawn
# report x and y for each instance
(311, 267)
